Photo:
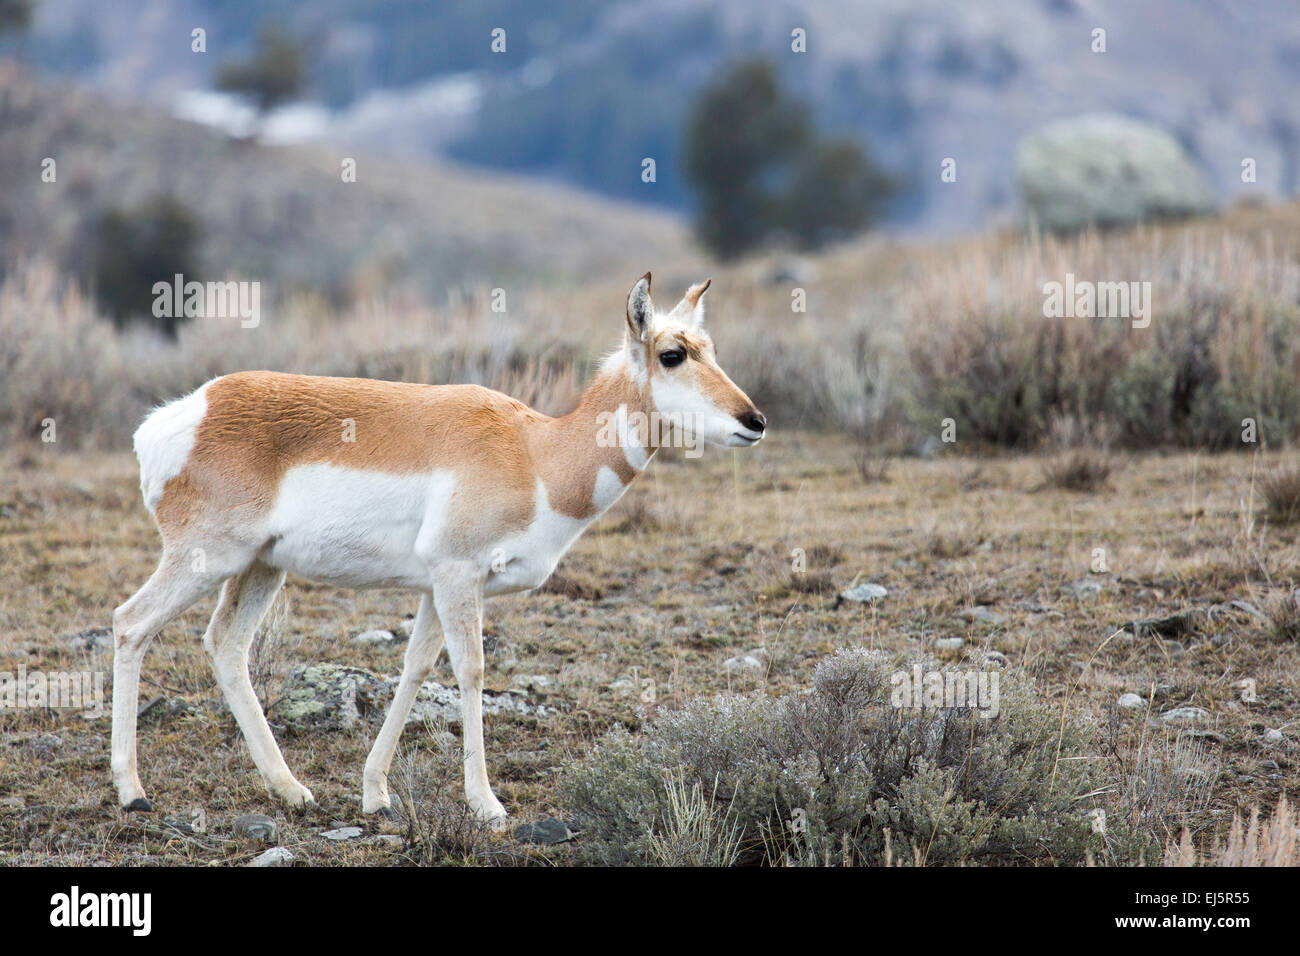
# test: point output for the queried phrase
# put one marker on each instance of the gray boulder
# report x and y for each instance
(1103, 170)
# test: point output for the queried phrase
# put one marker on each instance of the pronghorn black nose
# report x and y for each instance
(755, 421)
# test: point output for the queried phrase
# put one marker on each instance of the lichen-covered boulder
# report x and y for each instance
(1106, 171)
(337, 697)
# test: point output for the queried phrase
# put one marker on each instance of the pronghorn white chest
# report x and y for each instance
(526, 559)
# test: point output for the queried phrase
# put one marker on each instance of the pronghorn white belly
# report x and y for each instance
(358, 528)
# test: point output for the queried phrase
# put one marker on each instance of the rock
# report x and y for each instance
(276, 856)
(407, 627)
(330, 696)
(1106, 170)
(1184, 622)
(254, 826)
(864, 593)
(533, 683)
(981, 613)
(1268, 765)
(1272, 736)
(386, 839)
(92, 639)
(755, 659)
(1131, 702)
(336, 697)
(1248, 608)
(342, 833)
(995, 657)
(548, 831)
(949, 643)
(376, 636)
(1085, 588)
(435, 702)
(1186, 715)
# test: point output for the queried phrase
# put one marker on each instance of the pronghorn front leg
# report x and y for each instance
(458, 596)
(421, 654)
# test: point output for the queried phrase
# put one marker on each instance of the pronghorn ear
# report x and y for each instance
(640, 310)
(695, 299)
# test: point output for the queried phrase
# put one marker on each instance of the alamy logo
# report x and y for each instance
(1092, 300)
(945, 689)
(83, 690)
(624, 429)
(208, 300)
(74, 908)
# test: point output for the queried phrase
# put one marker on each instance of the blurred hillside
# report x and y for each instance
(586, 89)
(284, 214)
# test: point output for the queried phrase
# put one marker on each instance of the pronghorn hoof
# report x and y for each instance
(299, 799)
(138, 805)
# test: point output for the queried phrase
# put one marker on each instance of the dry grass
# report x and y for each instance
(1251, 842)
(898, 339)
(1281, 490)
(677, 598)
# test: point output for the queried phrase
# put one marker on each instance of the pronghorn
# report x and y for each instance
(455, 491)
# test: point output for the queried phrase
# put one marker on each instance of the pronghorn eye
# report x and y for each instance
(671, 359)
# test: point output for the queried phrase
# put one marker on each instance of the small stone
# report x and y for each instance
(1131, 702)
(1247, 607)
(342, 833)
(536, 683)
(276, 856)
(1085, 588)
(407, 627)
(981, 613)
(864, 593)
(746, 662)
(1268, 765)
(1272, 736)
(375, 636)
(254, 826)
(548, 831)
(92, 639)
(1186, 715)
(386, 839)
(995, 657)
(949, 643)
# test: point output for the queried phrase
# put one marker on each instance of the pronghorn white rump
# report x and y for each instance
(455, 491)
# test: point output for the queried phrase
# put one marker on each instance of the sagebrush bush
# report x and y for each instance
(837, 774)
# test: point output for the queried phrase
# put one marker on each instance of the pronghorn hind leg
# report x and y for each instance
(458, 597)
(421, 654)
(244, 601)
(172, 588)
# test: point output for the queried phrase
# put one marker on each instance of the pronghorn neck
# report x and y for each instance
(587, 458)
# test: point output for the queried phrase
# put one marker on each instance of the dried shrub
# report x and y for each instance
(840, 775)
(440, 827)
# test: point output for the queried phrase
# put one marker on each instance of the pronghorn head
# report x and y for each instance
(672, 354)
